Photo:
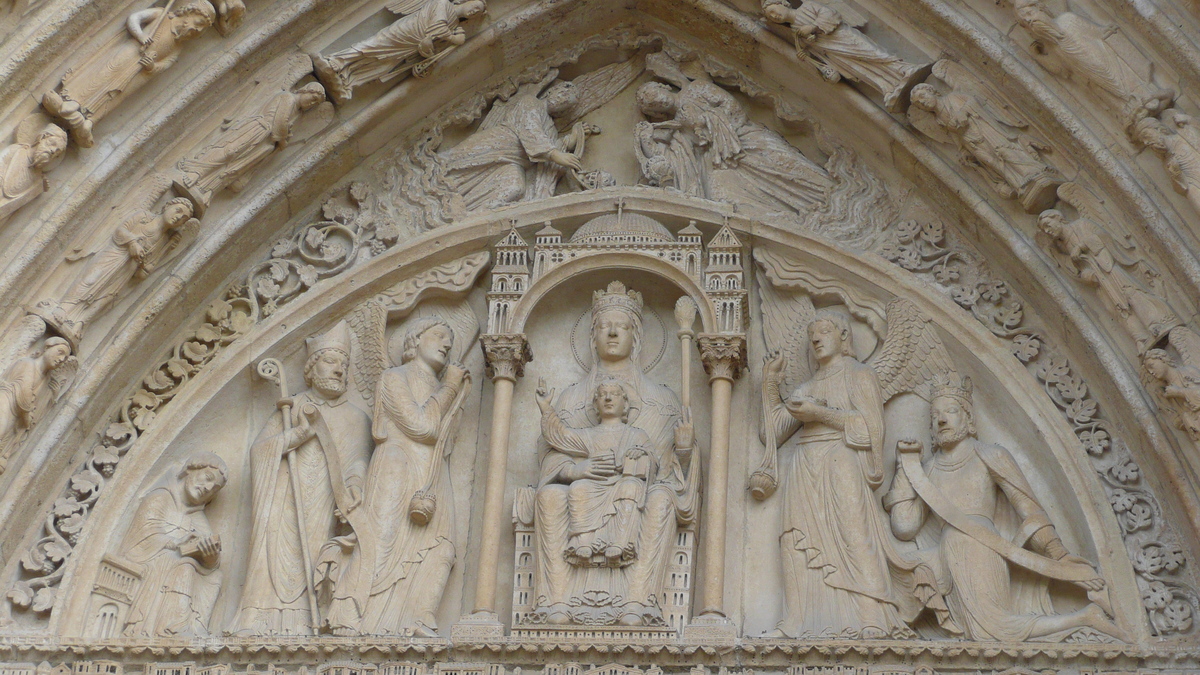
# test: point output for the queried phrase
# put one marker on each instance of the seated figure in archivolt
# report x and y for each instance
(606, 513)
(986, 535)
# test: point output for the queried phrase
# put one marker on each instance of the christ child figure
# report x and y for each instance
(607, 468)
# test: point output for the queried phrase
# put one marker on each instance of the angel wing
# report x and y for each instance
(784, 318)
(368, 322)
(1187, 342)
(18, 343)
(911, 354)
(600, 86)
(1092, 208)
(926, 122)
(281, 75)
(62, 377)
(183, 236)
(667, 69)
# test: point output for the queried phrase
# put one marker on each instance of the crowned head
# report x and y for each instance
(951, 413)
(328, 361)
(616, 324)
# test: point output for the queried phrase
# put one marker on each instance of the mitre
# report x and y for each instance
(337, 338)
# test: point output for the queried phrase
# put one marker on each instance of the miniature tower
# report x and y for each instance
(546, 237)
(523, 554)
(510, 280)
(723, 280)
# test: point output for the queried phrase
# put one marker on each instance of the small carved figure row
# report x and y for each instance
(145, 237)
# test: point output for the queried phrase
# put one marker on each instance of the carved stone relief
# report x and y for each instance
(349, 523)
(827, 36)
(156, 37)
(1079, 48)
(38, 148)
(988, 136)
(428, 31)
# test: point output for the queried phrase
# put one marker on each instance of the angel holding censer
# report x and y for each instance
(394, 573)
(843, 573)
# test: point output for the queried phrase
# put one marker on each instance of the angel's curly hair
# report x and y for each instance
(413, 336)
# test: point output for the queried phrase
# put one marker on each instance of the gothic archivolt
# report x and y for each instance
(804, 329)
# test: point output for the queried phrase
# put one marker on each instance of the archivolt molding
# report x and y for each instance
(1087, 148)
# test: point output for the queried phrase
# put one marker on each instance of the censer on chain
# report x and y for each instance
(424, 502)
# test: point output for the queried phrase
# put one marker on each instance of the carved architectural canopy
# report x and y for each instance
(482, 337)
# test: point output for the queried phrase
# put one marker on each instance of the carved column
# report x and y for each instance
(506, 356)
(723, 356)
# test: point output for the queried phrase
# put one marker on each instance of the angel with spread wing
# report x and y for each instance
(22, 391)
(828, 36)
(1087, 250)
(844, 575)
(389, 579)
(520, 153)
(987, 135)
(142, 242)
(410, 43)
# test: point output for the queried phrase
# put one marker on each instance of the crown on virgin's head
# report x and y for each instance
(616, 296)
(951, 384)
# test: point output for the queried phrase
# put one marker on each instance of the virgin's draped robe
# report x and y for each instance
(395, 581)
(672, 497)
(177, 592)
(987, 601)
(19, 182)
(718, 153)
(842, 571)
(379, 57)
(274, 597)
(604, 512)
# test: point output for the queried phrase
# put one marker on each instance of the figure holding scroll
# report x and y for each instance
(990, 521)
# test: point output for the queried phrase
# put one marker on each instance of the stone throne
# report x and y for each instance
(656, 580)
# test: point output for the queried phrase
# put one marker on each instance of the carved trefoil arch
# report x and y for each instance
(986, 209)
